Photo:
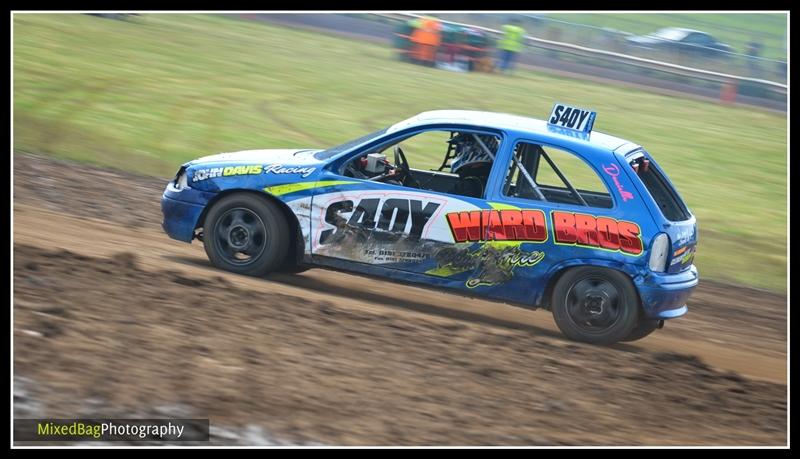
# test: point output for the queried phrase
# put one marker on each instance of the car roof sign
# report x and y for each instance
(565, 116)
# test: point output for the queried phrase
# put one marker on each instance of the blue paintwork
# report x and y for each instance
(181, 210)
(663, 295)
(660, 293)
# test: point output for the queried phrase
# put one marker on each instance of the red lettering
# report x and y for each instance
(586, 228)
(495, 230)
(494, 225)
(601, 232)
(531, 225)
(629, 240)
(564, 228)
(535, 226)
(512, 222)
(485, 217)
(466, 226)
(607, 234)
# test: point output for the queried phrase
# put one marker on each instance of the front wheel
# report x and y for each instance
(644, 328)
(595, 305)
(246, 234)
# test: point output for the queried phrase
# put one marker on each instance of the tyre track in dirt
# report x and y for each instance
(728, 350)
(361, 361)
(735, 328)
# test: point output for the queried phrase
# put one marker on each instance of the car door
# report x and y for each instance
(590, 216)
(395, 230)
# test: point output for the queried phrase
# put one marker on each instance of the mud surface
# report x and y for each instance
(113, 319)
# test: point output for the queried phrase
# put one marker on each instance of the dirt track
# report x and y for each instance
(113, 318)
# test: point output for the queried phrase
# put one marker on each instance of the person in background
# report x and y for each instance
(510, 45)
(426, 38)
(754, 49)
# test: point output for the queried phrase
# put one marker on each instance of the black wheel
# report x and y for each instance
(246, 234)
(290, 263)
(642, 329)
(595, 305)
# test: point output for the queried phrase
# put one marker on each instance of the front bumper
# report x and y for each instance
(182, 210)
(664, 296)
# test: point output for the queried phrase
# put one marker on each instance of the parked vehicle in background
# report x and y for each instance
(684, 41)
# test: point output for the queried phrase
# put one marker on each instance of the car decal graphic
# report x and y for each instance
(595, 232)
(279, 190)
(281, 169)
(612, 170)
(504, 225)
(490, 264)
(375, 226)
(501, 206)
(391, 215)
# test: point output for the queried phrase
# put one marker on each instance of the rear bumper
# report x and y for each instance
(664, 296)
(181, 210)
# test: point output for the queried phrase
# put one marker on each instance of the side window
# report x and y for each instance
(450, 151)
(446, 161)
(554, 175)
(579, 174)
(705, 40)
(699, 39)
(424, 151)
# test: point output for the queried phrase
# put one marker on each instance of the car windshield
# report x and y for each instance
(331, 152)
(670, 34)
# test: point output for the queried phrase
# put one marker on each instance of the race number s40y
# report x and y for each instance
(572, 118)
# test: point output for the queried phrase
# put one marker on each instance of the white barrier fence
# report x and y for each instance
(729, 80)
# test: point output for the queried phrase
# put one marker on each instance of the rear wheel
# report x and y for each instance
(595, 305)
(246, 234)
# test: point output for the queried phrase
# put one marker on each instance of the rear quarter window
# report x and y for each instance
(554, 175)
(665, 196)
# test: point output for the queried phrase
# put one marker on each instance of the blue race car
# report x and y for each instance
(544, 214)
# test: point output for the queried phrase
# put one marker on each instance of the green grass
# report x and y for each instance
(150, 94)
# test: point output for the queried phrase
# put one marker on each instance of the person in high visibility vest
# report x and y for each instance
(426, 38)
(511, 44)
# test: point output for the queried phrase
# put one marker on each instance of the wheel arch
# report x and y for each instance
(558, 270)
(295, 242)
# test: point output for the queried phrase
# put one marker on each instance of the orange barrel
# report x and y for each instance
(728, 93)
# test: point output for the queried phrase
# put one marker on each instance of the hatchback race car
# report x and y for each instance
(543, 214)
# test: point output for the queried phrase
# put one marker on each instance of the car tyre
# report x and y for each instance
(291, 263)
(595, 305)
(246, 234)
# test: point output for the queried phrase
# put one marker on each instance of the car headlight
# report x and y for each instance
(180, 181)
(659, 253)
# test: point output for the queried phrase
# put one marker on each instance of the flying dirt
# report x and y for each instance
(114, 319)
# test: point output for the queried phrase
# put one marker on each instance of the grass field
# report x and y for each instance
(149, 94)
